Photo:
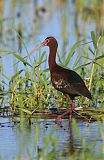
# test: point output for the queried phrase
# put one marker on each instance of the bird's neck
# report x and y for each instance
(52, 57)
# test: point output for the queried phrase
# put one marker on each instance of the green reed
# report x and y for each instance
(33, 83)
(30, 88)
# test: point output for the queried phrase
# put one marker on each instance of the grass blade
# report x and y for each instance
(25, 110)
(99, 57)
(42, 56)
(94, 39)
(71, 53)
(16, 75)
(20, 58)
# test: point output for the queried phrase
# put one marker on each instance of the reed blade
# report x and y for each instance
(33, 50)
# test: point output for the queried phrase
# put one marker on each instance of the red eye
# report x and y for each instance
(47, 41)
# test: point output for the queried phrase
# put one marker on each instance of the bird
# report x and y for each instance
(64, 80)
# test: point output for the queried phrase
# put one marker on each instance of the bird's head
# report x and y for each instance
(49, 41)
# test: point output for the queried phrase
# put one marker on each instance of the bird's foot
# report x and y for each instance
(69, 111)
(59, 117)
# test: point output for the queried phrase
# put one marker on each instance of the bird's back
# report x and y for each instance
(68, 81)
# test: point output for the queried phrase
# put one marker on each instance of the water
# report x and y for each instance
(68, 141)
(58, 21)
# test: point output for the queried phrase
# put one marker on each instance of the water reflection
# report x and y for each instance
(16, 141)
(71, 139)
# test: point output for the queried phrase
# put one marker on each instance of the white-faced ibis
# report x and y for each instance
(64, 80)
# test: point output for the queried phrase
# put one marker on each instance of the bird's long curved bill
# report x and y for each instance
(33, 50)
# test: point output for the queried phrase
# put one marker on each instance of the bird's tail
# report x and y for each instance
(86, 93)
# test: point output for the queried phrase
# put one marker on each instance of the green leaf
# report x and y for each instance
(82, 66)
(59, 57)
(71, 53)
(20, 37)
(87, 58)
(42, 56)
(25, 110)
(17, 74)
(46, 70)
(40, 63)
(3, 93)
(99, 57)
(4, 51)
(94, 39)
(91, 50)
(20, 58)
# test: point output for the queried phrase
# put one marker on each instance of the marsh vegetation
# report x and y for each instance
(26, 92)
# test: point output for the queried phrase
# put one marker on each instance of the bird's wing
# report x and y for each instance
(77, 84)
(69, 81)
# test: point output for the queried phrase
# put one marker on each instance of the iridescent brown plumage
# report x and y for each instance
(64, 80)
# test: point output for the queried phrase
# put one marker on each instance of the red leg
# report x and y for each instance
(69, 111)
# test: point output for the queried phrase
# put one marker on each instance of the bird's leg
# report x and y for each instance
(71, 101)
(69, 111)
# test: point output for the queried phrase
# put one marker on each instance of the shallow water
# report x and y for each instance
(14, 142)
(59, 21)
